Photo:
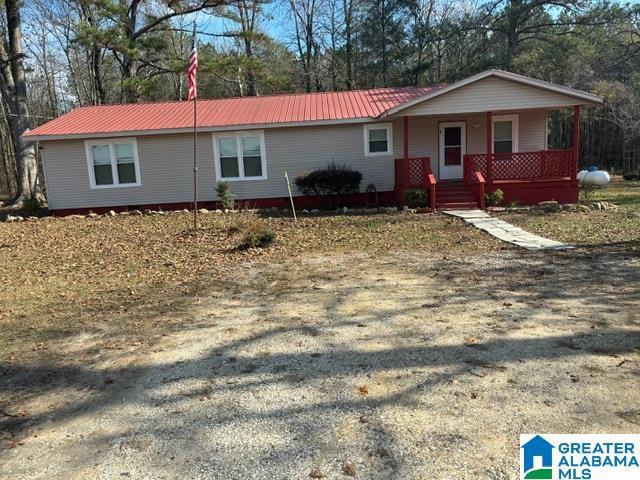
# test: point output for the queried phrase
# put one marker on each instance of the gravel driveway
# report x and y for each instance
(378, 367)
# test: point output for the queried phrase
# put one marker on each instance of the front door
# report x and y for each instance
(453, 147)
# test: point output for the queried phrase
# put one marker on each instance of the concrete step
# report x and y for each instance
(456, 205)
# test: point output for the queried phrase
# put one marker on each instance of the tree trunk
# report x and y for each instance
(14, 93)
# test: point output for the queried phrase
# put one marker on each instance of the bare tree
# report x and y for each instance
(247, 14)
(133, 24)
(305, 13)
(13, 90)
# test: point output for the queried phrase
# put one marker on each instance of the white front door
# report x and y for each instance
(453, 147)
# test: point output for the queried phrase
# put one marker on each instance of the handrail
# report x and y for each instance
(480, 180)
(422, 176)
(533, 165)
(431, 182)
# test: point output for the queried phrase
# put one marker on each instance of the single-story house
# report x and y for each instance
(486, 132)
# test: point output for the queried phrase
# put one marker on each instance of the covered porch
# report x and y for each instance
(466, 169)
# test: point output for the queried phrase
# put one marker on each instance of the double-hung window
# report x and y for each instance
(240, 156)
(505, 133)
(113, 163)
(378, 139)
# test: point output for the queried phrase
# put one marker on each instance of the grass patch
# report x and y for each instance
(621, 225)
(625, 193)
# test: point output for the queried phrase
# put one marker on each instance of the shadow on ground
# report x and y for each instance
(406, 366)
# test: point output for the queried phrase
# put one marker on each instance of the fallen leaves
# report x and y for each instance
(70, 274)
(350, 469)
(363, 391)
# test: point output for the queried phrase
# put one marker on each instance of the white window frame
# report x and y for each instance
(378, 126)
(114, 165)
(238, 136)
(515, 120)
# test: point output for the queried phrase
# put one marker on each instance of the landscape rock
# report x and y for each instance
(14, 218)
(92, 215)
(391, 210)
(305, 211)
(203, 210)
(315, 211)
(110, 213)
(369, 211)
(550, 206)
(124, 213)
(135, 212)
(582, 208)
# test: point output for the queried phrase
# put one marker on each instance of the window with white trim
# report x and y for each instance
(378, 139)
(505, 133)
(240, 156)
(113, 163)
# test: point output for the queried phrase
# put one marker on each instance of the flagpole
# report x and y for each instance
(195, 164)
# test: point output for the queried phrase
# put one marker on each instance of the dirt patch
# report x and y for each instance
(407, 365)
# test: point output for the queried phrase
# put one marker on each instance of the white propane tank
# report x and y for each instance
(597, 178)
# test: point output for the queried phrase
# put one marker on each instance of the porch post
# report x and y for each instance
(490, 147)
(405, 163)
(576, 141)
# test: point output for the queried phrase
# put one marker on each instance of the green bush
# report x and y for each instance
(256, 235)
(331, 180)
(587, 193)
(225, 196)
(34, 206)
(416, 197)
(494, 198)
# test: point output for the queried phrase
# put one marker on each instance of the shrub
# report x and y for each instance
(331, 180)
(225, 196)
(587, 193)
(34, 206)
(494, 198)
(415, 197)
(256, 235)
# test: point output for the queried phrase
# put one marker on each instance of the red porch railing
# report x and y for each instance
(525, 166)
(417, 174)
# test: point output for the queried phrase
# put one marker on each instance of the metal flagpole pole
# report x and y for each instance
(195, 164)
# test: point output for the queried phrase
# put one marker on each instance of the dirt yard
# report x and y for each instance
(383, 347)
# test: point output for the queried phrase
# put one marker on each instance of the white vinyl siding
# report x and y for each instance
(490, 94)
(240, 156)
(113, 163)
(166, 161)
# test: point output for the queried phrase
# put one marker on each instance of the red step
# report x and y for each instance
(454, 196)
(456, 205)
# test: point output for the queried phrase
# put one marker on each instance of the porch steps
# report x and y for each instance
(454, 196)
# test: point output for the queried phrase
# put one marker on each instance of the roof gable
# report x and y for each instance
(553, 95)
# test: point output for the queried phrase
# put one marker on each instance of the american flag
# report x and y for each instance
(193, 68)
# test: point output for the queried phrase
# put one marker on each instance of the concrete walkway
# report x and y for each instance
(506, 232)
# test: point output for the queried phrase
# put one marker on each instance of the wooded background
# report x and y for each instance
(80, 52)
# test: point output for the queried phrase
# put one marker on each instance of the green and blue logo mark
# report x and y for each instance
(537, 459)
(580, 457)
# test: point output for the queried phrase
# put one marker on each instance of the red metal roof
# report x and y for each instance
(230, 112)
